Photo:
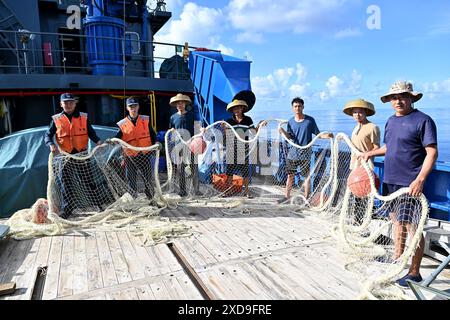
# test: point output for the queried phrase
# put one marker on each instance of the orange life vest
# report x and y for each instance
(71, 134)
(136, 135)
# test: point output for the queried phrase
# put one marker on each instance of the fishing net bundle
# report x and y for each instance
(115, 187)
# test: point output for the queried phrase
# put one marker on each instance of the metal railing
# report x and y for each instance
(26, 54)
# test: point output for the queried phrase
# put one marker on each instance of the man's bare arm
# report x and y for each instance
(416, 187)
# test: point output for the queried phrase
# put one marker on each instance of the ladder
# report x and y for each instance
(9, 22)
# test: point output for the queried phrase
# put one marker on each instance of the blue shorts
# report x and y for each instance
(403, 210)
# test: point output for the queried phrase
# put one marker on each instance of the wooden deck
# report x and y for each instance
(265, 255)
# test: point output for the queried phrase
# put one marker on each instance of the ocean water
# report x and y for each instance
(334, 120)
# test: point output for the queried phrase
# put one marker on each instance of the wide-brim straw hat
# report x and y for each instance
(236, 103)
(180, 97)
(359, 103)
(400, 87)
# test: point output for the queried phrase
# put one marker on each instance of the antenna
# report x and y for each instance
(161, 6)
(156, 6)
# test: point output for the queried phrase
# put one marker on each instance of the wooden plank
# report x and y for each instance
(188, 287)
(217, 284)
(280, 279)
(127, 294)
(192, 256)
(150, 268)
(135, 268)
(25, 272)
(94, 272)
(118, 258)
(99, 297)
(54, 265)
(13, 257)
(272, 288)
(254, 289)
(7, 251)
(175, 290)
(144, 292)
(200, 252)
(234, 249)
(221, 283)
(7, 288)
(300, 274)
(122, 286)
(194, 276)
(160, 291)
(80, 266)
(106, 262)
(238, 231)
(167, 261)
(65, 284)
(220, 249)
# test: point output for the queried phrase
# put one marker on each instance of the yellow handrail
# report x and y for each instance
(152, 101)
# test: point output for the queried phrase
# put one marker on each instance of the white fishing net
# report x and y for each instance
(115, 187)
(240, 171)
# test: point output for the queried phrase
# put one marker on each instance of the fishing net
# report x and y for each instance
(115, 187)
(379, 234)
(244, 163)
(240, 171)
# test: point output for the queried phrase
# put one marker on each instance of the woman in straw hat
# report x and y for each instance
(183, 122)
(366, 135)
(243, 125)
(410, 152)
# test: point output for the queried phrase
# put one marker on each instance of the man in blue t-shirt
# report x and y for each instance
(300, 130)
(410, 152)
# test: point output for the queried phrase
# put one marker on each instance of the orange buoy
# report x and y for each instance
(197, 146)
(359, 182)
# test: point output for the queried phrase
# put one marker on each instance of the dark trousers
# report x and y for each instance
(180, 170)
(143, 163)
(83, 185)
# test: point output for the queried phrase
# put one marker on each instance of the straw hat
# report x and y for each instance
(400, 87)
(359, 103)
(180, 97)
(236, 103)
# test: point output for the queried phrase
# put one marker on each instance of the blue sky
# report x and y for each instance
(323, 50)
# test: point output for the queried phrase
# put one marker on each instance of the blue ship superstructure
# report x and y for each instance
(99, 50)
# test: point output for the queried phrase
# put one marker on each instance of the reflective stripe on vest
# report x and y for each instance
(71, 134)
(137, 136)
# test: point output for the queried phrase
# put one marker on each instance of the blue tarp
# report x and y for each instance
(24, 170)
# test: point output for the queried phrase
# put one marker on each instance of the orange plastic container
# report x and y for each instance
(219, 182)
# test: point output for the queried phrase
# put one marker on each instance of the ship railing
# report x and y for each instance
(67, 53)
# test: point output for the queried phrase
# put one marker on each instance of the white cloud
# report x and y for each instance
(201, 26)
(337, 87)
(281, 83)
(348, 33)
(334, 85)
(259, 16)
(248, 37)
(436, 88)
(300, 72)
(299, 89)
(355, 83)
